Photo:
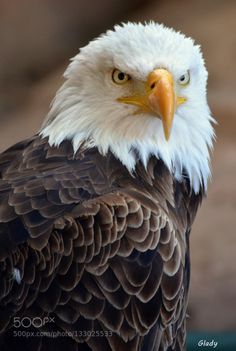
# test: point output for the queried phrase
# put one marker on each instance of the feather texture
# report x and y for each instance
(103, 253)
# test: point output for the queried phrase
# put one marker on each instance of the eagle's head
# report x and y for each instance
(138, 91)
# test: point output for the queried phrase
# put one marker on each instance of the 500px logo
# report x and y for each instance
(27, 322)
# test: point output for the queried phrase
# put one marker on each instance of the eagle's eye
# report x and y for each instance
(184, 79)
(120, 77)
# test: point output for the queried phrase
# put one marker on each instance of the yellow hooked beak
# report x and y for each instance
(159, 98)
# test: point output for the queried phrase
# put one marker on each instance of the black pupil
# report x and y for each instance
(182, 78)
(121, 76)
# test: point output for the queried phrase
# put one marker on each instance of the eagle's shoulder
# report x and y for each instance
(40, 183)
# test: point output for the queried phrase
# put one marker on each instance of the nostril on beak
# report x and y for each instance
(152, 86)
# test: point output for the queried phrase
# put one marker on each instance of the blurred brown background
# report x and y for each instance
(37, 39)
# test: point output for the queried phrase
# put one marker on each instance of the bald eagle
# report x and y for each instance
(96, 209)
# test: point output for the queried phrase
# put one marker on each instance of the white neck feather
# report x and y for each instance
(187, 150)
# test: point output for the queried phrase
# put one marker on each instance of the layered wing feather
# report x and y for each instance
(102, 252)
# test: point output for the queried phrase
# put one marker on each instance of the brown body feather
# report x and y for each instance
(102, 252)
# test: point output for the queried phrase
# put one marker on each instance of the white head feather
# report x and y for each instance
(86, 110)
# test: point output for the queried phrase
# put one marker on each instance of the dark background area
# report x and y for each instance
(37, 39)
